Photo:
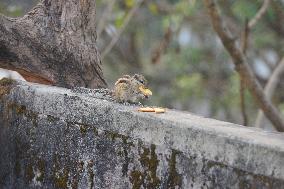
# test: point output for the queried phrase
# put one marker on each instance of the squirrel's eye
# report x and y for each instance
(141, 81)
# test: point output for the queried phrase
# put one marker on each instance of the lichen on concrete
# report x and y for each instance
(58, 138)
(137, 179)
(60, 173)
(149, 161)
(41, 167)
(174, 178)
(52, 118)
(29, 173)
(6, 85)
(91, 173)
(21, 110)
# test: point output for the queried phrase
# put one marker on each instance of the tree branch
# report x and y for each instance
(242, 66)
(126, 21)
(270, 89)
(243, 103)
(244, 44)
(250, 24)
(244, 39)
(106, 14)
(259, 14)
(55, 43)
(164, 43)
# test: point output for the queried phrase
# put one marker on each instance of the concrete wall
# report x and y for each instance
(59, 138)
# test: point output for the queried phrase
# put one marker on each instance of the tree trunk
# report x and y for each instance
(55, 43)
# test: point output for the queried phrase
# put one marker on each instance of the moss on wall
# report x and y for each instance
(141, 164)
(29, 173)
(91, 173)
(5, 86)
(60, 173)
(52, 119)
(41, 167)
(148, 176)
(17, 168)
(174, 179)
(22, 110)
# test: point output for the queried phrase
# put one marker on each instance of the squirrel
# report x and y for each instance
(131, 89)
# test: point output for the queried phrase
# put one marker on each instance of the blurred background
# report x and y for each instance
(172, 43)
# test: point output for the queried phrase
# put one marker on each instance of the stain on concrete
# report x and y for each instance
(95, 143)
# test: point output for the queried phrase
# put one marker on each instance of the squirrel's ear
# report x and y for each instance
(136, 76)
(126, 76)
(121, 80)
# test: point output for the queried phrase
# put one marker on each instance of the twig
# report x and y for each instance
(270, 89)
(242, 66)
(156, 55)
(104, 17)
(126, 21)
(242, 103)
(250, 24)
(244, 37)
(244, 44)
(259, 14)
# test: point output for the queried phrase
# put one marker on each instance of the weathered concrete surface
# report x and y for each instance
(59, 138)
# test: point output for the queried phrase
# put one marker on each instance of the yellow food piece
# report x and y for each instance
(145, 91)
(149, 109)
(159, 110)
(146, 109)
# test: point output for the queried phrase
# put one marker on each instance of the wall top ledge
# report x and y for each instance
(241, 147)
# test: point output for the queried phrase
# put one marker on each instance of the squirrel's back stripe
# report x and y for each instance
(121, 80)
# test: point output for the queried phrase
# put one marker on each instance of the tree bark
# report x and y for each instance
(269, 89)
(55, 43)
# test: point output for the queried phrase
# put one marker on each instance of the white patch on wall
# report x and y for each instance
(10, 74)
(37, 175)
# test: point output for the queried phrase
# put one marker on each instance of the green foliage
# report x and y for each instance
(264, 39)
(119, 18)
(189, 85)
(166, 21)
(187, 8)
(153, 8)
(12, 11)
(271, 14)
(232, 93)
(129, 3)
(281, 107)
(244, 9)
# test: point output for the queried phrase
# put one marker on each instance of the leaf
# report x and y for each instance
(186, 7)
(119, 19)
(244, 9)
(190, 84)
(153, 8)
(129, 3)
(166, 22)
(281, 107)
